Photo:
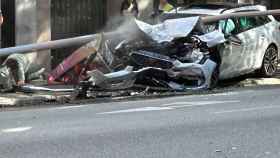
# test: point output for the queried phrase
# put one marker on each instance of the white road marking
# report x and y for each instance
(69, 107)
(228, 93)
(175, 105)
(198, 103)
(267, 153)
(16, 130)
(247, 110)
(223, 94)
(137, 110)
(234, 148)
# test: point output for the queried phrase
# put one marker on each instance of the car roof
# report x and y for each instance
(217, 8)
(210, 9)
(219, 5)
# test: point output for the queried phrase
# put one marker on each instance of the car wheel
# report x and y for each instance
(270, 62)
(214, 78)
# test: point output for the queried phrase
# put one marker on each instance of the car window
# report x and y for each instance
(262, 20)
(247, 23)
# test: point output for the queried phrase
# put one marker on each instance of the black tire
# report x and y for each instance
(270, 62)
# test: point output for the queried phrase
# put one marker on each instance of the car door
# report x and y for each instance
(267, 31)
(237, 53)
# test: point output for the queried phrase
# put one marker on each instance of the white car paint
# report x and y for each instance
(246, 8)
(245, 58)
(248, 57)
(242, 59)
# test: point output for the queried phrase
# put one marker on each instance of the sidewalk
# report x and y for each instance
(259, 82)
(21, 99)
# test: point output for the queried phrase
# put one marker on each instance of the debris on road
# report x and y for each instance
(75, 62)
(176, 60)
(17, 70)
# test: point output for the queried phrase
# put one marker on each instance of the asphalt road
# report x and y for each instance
(237, 124)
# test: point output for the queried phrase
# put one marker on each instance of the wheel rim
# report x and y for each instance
(270, 61)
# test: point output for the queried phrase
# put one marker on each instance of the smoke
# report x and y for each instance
(122, 28)
(143, 4)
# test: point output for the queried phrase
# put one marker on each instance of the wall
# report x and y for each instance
(8, 27)
(113, 7)
(72, 18)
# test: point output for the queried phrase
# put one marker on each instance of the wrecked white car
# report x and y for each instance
(236, 46)
(189, 54)
(160, 56)
(192, 49)
(252, 42)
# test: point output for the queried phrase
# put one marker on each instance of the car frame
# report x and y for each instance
(261, 56)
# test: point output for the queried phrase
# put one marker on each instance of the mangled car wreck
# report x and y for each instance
(177, 59)
(178, 54)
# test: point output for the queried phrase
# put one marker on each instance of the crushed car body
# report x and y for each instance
(178, 60)
(252, 34)
(188, 51)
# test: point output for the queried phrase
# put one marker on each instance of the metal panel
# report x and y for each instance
(70, 18)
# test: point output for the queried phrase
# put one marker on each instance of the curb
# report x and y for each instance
(20, 99)
(259, 82)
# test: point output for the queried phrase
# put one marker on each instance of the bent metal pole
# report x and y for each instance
(47, 45)
(85, 39)
(210, 19)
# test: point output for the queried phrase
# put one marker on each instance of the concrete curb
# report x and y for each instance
(19, 99)
(259, 82)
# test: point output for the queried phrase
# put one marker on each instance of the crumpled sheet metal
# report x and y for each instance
(169, 29)
(6, 80)
(213, 38)
(34, 89)
(125, 78)
(75, 58)
(207, 69)
(165, 69)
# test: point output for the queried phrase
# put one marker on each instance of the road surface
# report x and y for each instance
(237, 124)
